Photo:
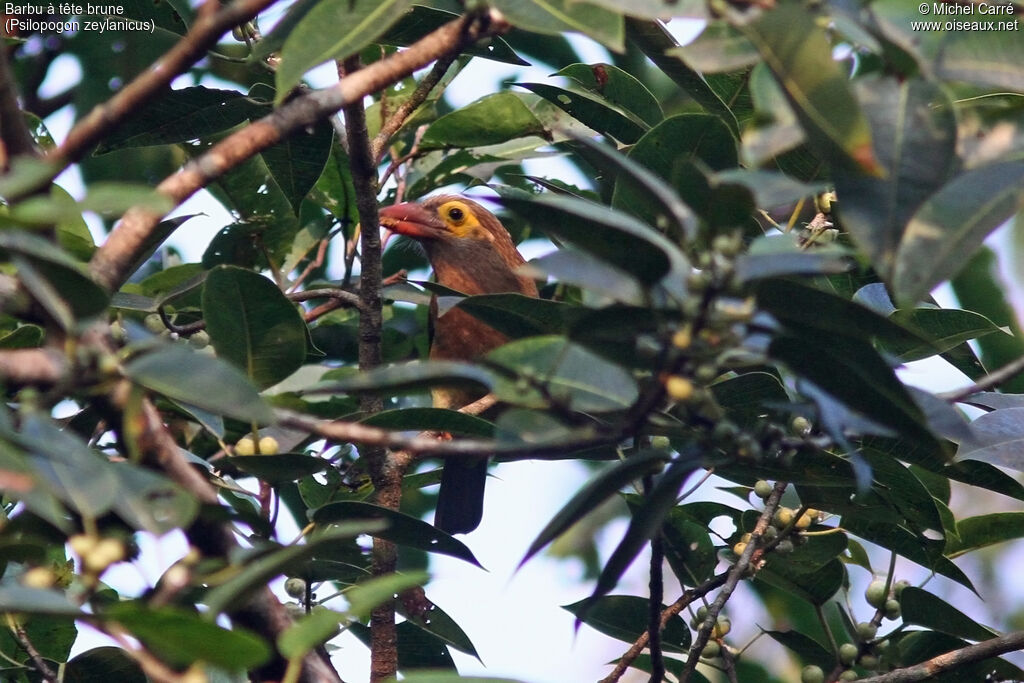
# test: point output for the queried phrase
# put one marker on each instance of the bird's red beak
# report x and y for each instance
(412, 220)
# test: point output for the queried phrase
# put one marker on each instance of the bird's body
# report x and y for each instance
(470, 252)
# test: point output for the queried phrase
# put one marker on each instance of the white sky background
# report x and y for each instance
(513, 618)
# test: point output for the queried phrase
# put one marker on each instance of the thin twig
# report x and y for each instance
(21, 635)
(989, 381)
(750, 556)
(410, 105)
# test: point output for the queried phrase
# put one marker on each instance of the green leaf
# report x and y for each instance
(983, 531)
(677, 150)
(310, 631)
(433, 419)
(808, 649)
(655, 41)
(279, 468)
(593, 494)
(924, 609)
(646, 521)
(617, 87)
(996, 438)
(625, 617)
(591, 110)
(953, 223)
(800, 56)
(719, 48)
(987, 57)
(612, 236)
(487, 121)
(367, 595)
(183, 115)
(22, 599)
(516, 315)
(573, 267)
(180, 373)
(558, 16)
(182, 637)
(401, 528)
(297, 162)
(359, 23)
(688, 548)
(946, 328)
(257, 573)
(568, 372)
(252, 325)
(104, 664)
(414, 376)
(421, 20)
(913, 129)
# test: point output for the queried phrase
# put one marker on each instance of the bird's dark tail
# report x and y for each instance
(460, 503)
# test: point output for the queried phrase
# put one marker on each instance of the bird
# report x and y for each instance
(471, 252)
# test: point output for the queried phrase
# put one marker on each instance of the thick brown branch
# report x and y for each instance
(112, 260)
(951, 660)
(203, 35)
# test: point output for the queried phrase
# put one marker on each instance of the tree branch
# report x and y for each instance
(203, 35)
(13, 132)
(406, 109)
(989, 381)
(951, 660)
(110, 263)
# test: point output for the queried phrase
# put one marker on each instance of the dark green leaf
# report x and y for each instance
(914, 134)
(558, 16)
(180, 373)
(593, 494)
(183, 637)
(618, 87)
(567, 371)
(591, 110)
(401, 528)
(359, 22)
(490, 120)
(279, 468)
(809, 650)
(924, 609)
(432, 419)
(614, 237)
(953, 223)
(625, 617)
(103, 664)
(253, 325)
(800, 56)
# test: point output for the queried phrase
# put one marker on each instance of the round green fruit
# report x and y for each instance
(848, 653)
(812, 674)
(875, 594)
(763, 489)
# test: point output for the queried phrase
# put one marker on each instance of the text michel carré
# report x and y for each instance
(62, 8)
(980, 8)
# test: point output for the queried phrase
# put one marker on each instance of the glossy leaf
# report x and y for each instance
(924, 609)
(625, 617)
(433, 419)
(645, 522)
(490, 120)
(252, 325)
(688, 548)
(182, 637)
(618, 87)
(258, 572)
(952, 223)
(720, 47)
(566, 371)
(557, 16)
(671, 149)
(593, 494)
(945, 328)
(422, 19)
(307, 44)
(996, 438)
(180, 373)
(592, 111)
(612, 236)
(913, 129)
(399, 528)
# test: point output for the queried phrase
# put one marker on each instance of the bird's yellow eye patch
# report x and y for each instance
(460, 220)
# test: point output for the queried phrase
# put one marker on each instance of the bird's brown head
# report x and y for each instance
(468, 247)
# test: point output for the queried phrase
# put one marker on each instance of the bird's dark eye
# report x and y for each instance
(456, 214)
